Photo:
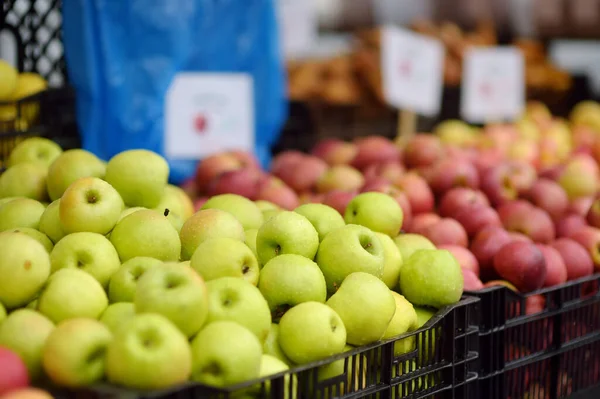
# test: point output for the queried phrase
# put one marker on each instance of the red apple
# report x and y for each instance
(390, 171)
(447, 232)
(476, 217)
(303, 174)
(340, 178)
(521, 217)
(535, 304)
(452, 172)
(213, 166)
(457, 198)
(418, 192)
(246, 158)
(569, 224)
(504, 182)
(242, 182)
(556, 270)
(274, 190)
(421, 221)
(549, 196)
(339, 200)
(514, 236)
(423, 150)
(593, 214)
(286, 160)
(522, 264)
(464, 257)
(471, 281)
(335, 152)
(577, 259)
(589, 238)
(374, 149)
(13, 375)
(486, 244)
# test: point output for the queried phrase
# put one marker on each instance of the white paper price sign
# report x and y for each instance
(207, 113)
(493, 86)
(298, 27)
(578, 57)
(412, 70)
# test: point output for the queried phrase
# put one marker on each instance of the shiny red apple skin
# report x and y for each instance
(457, 198)
(522, 264)
(576, 257)
(556, 270)
(13, 372)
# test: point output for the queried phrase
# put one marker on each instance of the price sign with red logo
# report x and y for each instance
(493, 86)
(207, 113)
(412, 70)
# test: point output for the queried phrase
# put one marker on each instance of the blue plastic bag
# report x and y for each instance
(123, 54)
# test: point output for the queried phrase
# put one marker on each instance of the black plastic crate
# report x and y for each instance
(442, 365)
(530, 343)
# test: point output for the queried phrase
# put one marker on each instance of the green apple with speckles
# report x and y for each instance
(225, 257)
(409, 243)
(123, 283)
(118, 315)
(24, 180)
(38, 150)
(71, 166)
(324, 218)
(50, 222)
(240, 207)
(36, 235)
(21, 212)
(377, 211)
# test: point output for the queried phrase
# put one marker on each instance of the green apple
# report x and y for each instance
(73, 355)
(431, 277)
(91, 252)
(234, 299)
(69, 167)
(146, 233)
(140, 176)
(209, 223)
(175, 220)
(24, 268)
(337, 369)
(365, 305)
(36, 235)
(286, 233)
(266, 205)
(377, 211)
(2, 313)
(350, 249)
(21, 212)
(251, 240)
(269, 213)
(90, 204)
(177, 292)
(8, 199)
(423, 315)
(311, 331)
(409, 243)
(24, 180)
(288, 280)
(324, 218)
(128, 211)
(150, 354)
(50, 222)
(404, 320)
(72, 293)
(123, 283)
(25, 332)
(118, 315)
(271, 345)
(392, 261)
(225, 257)
(34, 150)
(242, 208)
(176, 201)
(269, 366)
(225, 353)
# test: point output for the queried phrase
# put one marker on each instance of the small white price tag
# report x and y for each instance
(578, 57)
(493, 85)
(298, 27)
(412, 70)
(207, 113)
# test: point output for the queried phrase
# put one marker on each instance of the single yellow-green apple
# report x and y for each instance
(50, 222)
(91, 252)
(288, 280)
(176, 201)
(24, 180)
(21, 212)
(175, 291)
(25, 332)
(431, 277)
(72, 293)
(24, 269)
(69, 167)
(377, 211)
(140, 176)
(73, 355)
(311, 331)
(404, 320)
(368, 322)
(225, 257)
(242, 208)
(225, 353)
(234, 299)
(324, 218)
(271, 345)
(118, 315)
(209, 223)
(34, 150)
(150, 354)
(349, 249)
(409, 243)
(392, 261)
(250, 240)
(123, 283)
(36, 235)
(90, 204)
(581, 177)
(286, 233)
(146, 233)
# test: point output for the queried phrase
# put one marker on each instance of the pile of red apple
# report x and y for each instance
(515, 203)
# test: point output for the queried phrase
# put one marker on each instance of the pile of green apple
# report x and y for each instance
(108, 274)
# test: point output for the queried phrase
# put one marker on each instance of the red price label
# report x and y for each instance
(200, 124)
